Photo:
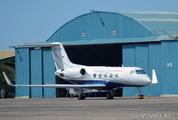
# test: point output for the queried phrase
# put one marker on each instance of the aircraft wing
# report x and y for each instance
(56, 85)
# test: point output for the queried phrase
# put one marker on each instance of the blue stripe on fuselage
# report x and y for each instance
(81, 82)
(109, 85)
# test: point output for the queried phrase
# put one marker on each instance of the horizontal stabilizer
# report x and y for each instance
(56, 85)
(154, 77)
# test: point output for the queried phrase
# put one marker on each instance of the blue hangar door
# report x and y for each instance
(34, 66)
(42, 72)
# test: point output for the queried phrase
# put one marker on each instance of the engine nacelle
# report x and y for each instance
(71, 73)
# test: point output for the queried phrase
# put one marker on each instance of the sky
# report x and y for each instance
(36, 20)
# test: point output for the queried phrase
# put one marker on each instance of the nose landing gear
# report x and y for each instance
(141, 96)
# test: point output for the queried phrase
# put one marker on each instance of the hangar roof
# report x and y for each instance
(156, 26)
(131, 27)
(160, 23)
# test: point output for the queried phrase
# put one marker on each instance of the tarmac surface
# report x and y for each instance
(120, 108)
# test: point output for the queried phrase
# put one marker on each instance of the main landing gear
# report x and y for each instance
(110, 94)
(81, 97)
(80, 94)
(141, 96)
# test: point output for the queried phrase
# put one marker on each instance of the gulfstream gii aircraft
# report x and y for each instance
(91, 77)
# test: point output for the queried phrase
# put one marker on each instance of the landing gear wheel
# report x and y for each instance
(141, 96)
(81, 97)
(109, 96)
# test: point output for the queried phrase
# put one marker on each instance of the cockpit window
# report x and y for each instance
(140, 72)
(137, 72)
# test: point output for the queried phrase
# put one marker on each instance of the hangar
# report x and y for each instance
(143, 39)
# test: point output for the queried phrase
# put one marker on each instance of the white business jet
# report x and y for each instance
(92, 77)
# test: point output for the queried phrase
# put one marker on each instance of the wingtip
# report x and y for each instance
(7, 79)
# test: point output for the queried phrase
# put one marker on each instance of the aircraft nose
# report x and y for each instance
(147, 80)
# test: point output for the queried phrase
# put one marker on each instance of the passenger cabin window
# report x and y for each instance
(100, 75)
(94, 75)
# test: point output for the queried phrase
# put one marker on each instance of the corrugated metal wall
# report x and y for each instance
(159, 56)
(34, 67)
(48, 73)
(169, 52)
(22, 71)
(155, 63)
(36, 73)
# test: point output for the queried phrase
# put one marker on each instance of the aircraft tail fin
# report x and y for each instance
(154, 77)
(60, 56)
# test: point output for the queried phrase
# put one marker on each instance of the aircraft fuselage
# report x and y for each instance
(110, 76)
